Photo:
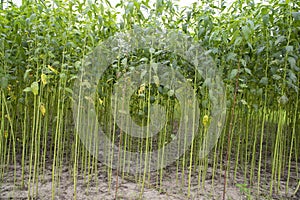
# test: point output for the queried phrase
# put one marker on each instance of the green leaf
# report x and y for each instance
(154, 67)
(251, 23)
(231, 56)
(246, 32)
(69, 90)
(156, 80)
(244, 63)
(28, 89)
(276, 77)
(171, 93)
(129, 8)
(243, 85)
(248, 71)
(280, 39)
(296, 16)
(233, 73)
(259, 91)
(144, 59)
(260, 49)
(283, 100)
(238, 41)
(234, 36)
(244, 102)
(292, 62)
(289, 48)
(250, 46)
(292, 76)
(4, 82)
(143, 73)
(207, 82)
(151, 50)
(266, 19)
(264, 81)
(26, 74)
(35, 88)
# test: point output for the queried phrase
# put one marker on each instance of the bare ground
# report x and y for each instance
(100, 186)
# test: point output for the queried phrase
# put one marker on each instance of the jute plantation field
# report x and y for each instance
(150, 100)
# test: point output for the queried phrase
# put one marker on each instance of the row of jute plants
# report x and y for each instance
(255, 45)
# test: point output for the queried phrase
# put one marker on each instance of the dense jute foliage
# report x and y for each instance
(255, 45)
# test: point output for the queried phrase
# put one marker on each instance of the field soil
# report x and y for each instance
(172, 186)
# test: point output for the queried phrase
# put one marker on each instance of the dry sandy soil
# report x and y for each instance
(100, 187)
